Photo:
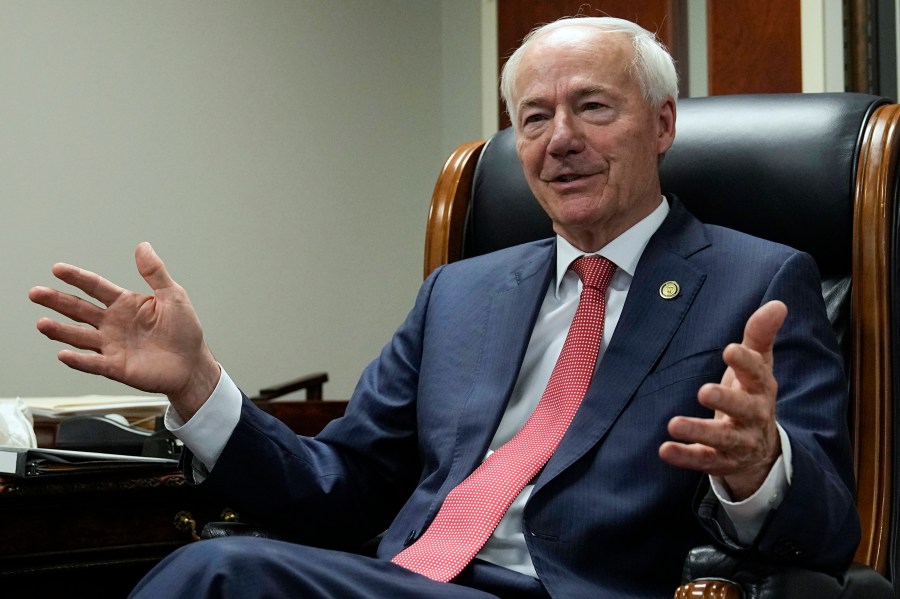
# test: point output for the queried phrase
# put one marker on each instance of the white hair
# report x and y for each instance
(653, 65)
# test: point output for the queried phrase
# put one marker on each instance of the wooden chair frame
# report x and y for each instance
(870, 317)
(449, 206)
(304, 417)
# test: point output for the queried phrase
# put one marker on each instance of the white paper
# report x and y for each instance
(94, 404)
(16, 424)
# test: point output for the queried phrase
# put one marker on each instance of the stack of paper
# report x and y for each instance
(139, 410)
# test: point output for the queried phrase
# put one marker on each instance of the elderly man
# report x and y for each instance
(541, 423)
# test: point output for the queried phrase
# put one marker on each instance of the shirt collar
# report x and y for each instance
(624, 251)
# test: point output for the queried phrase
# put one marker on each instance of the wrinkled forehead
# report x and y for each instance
(582, 49)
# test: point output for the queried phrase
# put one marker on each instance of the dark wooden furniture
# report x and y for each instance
(303, 417)
(94, 536)
(97, 536)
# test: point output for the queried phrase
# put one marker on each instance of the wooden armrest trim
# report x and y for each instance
(876, 188)
(311, 382)
(449, 204)
(709, 589)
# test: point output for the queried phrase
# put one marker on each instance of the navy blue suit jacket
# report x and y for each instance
(607, 516)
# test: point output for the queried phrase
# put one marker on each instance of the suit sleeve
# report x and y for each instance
(345, 485)
(816, 524)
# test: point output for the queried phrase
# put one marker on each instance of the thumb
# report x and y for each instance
(763, 326)
(152, 268)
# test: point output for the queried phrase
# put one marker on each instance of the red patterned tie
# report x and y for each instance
(472, 510)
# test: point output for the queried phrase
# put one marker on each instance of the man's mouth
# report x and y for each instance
(564, 178)
(567, 178)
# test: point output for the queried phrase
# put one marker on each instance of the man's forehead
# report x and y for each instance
(578, 45)
(577, 51)
(580, 37)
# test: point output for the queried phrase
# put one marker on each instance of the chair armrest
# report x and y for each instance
(305, 417)
(215, 530)
(312, 383)
(709, 570)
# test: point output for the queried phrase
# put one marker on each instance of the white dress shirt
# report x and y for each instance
(209, 430)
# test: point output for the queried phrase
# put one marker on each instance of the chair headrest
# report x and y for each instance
(778, 166)
(502, 209)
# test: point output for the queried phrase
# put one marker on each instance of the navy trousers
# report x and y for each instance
(250, 567)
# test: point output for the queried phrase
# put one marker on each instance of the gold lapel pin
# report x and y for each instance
(669, 290)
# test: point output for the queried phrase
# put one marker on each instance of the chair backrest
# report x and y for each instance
(814, 171)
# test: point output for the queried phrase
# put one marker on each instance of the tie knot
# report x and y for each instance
(594, 271)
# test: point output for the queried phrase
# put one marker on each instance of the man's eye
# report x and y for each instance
(532, 118)
(593, 106)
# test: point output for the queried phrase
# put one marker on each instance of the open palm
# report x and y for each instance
(153, 343)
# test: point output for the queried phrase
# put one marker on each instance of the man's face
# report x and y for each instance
(588, 142)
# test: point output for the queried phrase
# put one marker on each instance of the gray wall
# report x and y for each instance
(279, 155)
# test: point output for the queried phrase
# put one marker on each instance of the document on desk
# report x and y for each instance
(94, 404)
(25, 463)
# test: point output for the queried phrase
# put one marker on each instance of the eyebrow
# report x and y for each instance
(581, 93)
(593, 89)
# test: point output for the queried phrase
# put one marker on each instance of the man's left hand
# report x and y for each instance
(741, 442)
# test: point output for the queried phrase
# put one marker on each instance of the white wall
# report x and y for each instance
(822, 45)
(280, 156)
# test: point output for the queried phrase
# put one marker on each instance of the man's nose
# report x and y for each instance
(566, 137)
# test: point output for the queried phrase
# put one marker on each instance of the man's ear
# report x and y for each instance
(665, 133)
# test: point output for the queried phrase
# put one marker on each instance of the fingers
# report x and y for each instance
(741, 441)
(90, 363)
(718, 433)
(149, 265)
(76, 336)
(722, 447)
(91, 283)
(140, 340)
(694, 456)
(709, 445)
(152, 268)
(748, 371)
(743, 420)
(763, 326)
(750, 398)
(750, 366)
(68, 305)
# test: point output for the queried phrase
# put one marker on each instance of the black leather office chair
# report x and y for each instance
(814, 171)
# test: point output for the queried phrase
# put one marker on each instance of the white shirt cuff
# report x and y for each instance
(208, 431)
(749, 515)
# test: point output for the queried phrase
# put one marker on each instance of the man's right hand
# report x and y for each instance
(153, 343)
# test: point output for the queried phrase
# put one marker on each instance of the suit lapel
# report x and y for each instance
(513, 308)
(646, 326)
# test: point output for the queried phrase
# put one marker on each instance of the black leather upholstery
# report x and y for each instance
(215, 530)
(764, 580)
(765, 176)
(502, 209)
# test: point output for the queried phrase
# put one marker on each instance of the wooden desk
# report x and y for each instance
(97, 536)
